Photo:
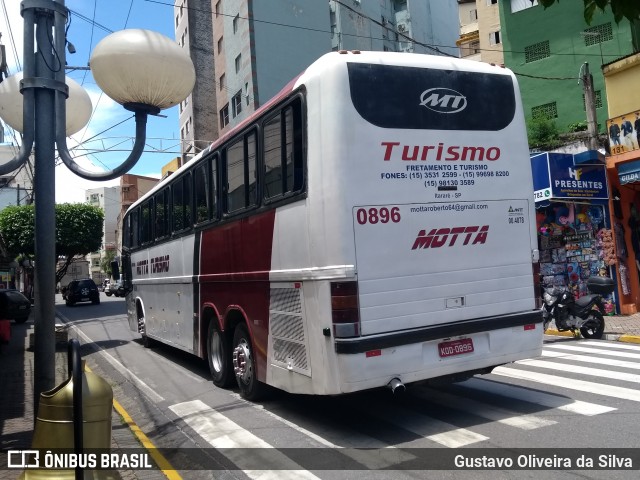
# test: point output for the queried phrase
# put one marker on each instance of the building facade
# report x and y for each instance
(480, 32)
(108, 200)
(622, 77)
(132, 187)
(547, 49)
(198, 112)
(258, 47)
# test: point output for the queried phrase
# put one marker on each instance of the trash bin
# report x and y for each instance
(84, 426)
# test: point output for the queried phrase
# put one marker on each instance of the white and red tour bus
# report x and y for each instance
(372, 225)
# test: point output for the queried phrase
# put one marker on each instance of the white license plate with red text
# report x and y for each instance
(455, 347)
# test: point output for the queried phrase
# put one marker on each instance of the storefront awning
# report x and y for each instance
(629, 172)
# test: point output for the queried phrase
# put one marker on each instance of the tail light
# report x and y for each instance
(345, 313)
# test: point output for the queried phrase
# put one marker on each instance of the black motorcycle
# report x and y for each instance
(586, 314)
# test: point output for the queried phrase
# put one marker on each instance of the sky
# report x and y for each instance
(105, 142)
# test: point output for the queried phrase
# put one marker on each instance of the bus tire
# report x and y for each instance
(244, 365)
(219, 356)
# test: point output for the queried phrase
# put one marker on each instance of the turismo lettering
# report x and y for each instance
(414, 153)
(160, 264)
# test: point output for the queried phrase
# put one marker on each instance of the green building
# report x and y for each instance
(548, 48)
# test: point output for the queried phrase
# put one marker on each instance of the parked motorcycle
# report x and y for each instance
(586, 314)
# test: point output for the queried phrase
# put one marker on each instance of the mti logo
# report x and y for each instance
(443, 100)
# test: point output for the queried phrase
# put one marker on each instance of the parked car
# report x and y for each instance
(115, 288)
(14, 306)
(84, 290)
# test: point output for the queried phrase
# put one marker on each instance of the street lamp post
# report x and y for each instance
(44, 121)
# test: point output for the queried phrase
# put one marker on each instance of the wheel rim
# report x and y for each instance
(242, 362)
(215, 351)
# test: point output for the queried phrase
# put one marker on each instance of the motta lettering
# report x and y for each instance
(439, 237)
(439, 152)
(443, 100)
(142, 267)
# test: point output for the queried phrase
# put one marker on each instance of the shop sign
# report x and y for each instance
(624, 133)
(571, 181)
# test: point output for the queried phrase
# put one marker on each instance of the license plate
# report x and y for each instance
(84, 299)
(455, 347)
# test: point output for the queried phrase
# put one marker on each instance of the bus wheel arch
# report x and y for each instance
(142, 324)
(218, 349)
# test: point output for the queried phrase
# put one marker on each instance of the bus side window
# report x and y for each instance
(126, 232)
(283, 153)
(145, 223)
(187, 200)
(178, 206)
(235, 176)
(214, 187)
(273, 178)
(201, 180)
(134, 228)
(161, 213)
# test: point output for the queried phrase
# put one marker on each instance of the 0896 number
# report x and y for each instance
(378, 215)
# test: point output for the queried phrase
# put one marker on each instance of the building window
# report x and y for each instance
(224, 116)
(238, 63)
(236, 20)
(223, 81)
(548, 111)
(177, 19)
(494, 38)
(236, 104)
(537, 51)
(598, 95)
(492, 2)
(518, 5)
(473, 15)
(597, 34)
(220, 44)
(218, 8)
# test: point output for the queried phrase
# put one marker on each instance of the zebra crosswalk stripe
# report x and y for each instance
(221, 432)
(536, 397)
(591, 359)
(569, 383)
(480, 409)
(596, 351)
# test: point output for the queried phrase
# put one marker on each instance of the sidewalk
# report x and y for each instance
(16, 382)
(16, 400)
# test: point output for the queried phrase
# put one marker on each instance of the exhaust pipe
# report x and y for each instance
(396, 386)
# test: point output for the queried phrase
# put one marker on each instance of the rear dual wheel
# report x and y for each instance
(233, 360)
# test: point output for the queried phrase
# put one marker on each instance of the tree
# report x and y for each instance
(78, 231)
(105, 262)
(629, 9)
(542, 133)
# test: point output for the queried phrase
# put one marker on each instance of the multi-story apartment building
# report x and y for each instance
(260, 46)
(480, 32)
(198, 115)
(547, 49)
(107, 199)
(132, 187)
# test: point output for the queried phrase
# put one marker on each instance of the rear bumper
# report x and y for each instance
(465, 327)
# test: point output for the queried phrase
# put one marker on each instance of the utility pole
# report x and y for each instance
(590, 106)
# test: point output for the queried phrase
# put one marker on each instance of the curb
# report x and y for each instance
(615, 337)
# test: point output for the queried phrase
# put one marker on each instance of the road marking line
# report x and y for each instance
(618, 345)
(590, 359)
(484, 410)
(163, 464)
(577, 348)
(564, 382)
(426, 426)
(595, 372)
(350, 444)
(223, 433)
(161, 461)
(539, 398)
(121, 368)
